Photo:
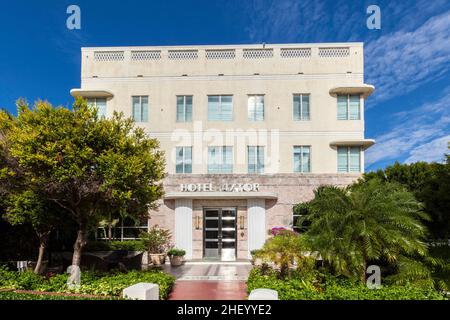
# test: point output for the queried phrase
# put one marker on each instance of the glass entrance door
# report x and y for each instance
(220, 234)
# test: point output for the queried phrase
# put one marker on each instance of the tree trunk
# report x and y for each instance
(78, 246)
(363, 273)
(43, 239)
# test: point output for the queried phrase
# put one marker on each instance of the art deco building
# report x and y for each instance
(248, 131)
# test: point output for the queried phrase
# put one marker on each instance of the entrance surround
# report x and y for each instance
(267, 204)
(256, 216)
(183, 226)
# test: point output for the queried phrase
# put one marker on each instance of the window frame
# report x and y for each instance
(257, 151)
(348, 158)
(301, 158)
(141, 108)
(94, 99)
(222, 156)
(183, 163)
(301, 106)
(254, 118)
(347, 110)
(220, 107)
(184, 107)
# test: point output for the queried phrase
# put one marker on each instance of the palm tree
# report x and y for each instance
(366, 221)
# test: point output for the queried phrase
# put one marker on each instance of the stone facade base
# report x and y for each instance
(261, 202)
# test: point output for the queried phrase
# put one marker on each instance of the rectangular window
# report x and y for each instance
(220, 159)
(255, 159)
(100, 104)
(255, 107)
(348, 107)
(184, 108)
(349, 159)
(302, 159)
(184, 160)
(140, 108)
(220, 108)
(301, 107)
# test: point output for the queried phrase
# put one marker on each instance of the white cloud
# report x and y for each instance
(431, 151)
(399, 62)
(413, 130)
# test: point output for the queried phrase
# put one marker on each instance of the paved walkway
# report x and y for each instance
(209, 290)
(210, 281)
(210, 271)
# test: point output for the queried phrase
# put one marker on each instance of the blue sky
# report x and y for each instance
(408, 60)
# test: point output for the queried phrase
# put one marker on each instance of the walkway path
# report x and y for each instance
(209, 290)
(210, 281)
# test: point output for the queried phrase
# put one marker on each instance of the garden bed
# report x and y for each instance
(332, 288)
(94, 284)
(38, 295)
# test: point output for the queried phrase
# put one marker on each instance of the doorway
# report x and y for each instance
(219, 233)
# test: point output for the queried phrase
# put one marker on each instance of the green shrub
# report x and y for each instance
(176, 252)
(113, 284)
(286, 250)
(110, 284)
(332, 288)
(156, 240)
(130, 245)
(9, 295)
(8, 278)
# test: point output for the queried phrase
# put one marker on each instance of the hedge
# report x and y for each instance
(105, 284)
(11, 295)
(130, 245)
(334, 289)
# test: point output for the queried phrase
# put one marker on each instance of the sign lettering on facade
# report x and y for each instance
(225, 187)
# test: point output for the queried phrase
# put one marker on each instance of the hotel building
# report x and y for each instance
(248, 131)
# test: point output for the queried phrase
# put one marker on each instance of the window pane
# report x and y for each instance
(297, 160)
(260, 160)
(251, 160)
(259, 108)
(306, 159)
(226, 108)
(188, 108)
(342, 108)
(213, 161)
(297, 107)
(144, 103)
(227, 163)
(187, 159)
(251, 108)
(91, 102)
(101, 107)
(354, 159)
(213, 108)
(305, 107)
(136, 109)
(179, 160)
(354, 108)
(180, 109)
(342, 159)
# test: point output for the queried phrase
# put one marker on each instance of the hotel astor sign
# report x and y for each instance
(225, 187)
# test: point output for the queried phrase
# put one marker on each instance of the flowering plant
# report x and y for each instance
(277, 230)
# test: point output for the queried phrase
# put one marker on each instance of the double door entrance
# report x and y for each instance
(219, 233)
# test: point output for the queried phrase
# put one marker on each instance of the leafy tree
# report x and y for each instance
(364, 222)
(30, 207)
(21, 204)
(87, 165)
(430, 184)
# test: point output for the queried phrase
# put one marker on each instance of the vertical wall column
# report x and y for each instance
(183, 226)
(256, 225)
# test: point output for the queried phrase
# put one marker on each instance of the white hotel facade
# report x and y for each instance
(248, 131)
